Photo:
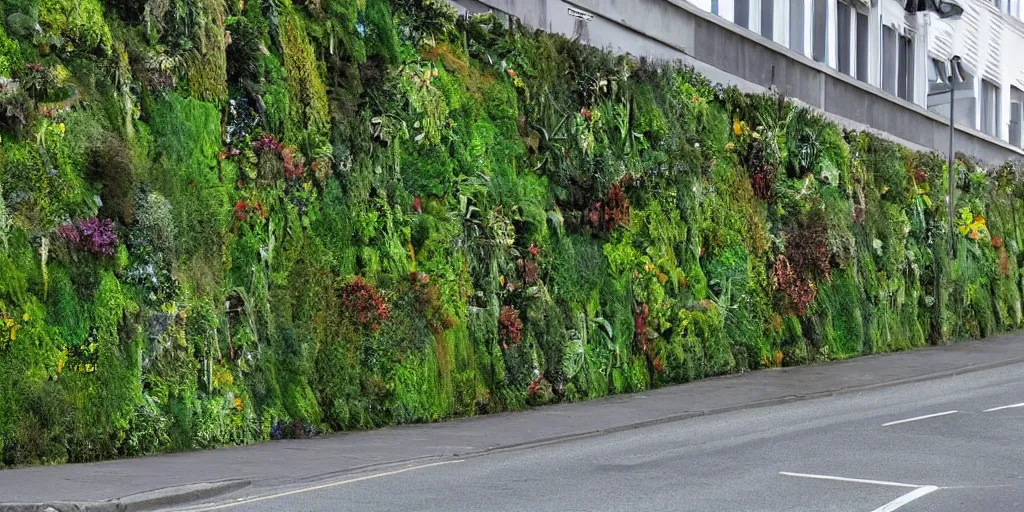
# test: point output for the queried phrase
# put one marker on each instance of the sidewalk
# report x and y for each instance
(276, 464)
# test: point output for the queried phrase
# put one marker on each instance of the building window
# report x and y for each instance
(938, 77)
(937, 71)
(905, 72)
(768, 18)
(862, 47)
(796, 25)
(1016, 115)
(742, 13)
(989, 108)
(819, 32)
(890, 59)
(843, 38)
(723, 8)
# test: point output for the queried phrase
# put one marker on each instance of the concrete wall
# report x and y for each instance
(732, 55)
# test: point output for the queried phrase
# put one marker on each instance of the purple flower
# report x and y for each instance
(93, 235)
(267, 143)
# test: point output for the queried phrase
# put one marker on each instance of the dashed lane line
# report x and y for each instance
(907, 498)
(1014, 406)
(918, 418)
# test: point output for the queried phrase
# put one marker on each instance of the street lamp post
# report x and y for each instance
(951, 156)
(956, 75)
(946, 10)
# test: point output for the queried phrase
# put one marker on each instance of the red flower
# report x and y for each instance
(293, 164)
(417, 205)
(364, 304)
(240, 208)
(534, 250)
(585, 112)
(658, 367)
(612, 213)
(529, 271)
(510, 326)
(267, 143)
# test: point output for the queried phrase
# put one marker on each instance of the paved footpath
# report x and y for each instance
(264, 469)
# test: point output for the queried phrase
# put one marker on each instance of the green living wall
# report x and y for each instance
(224, 222)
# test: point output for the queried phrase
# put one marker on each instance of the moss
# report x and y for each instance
(842, 325)
(206, 66)
(187, 132)
(307, 106)
(79, 23)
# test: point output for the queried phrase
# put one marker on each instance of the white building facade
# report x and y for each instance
(906, 55)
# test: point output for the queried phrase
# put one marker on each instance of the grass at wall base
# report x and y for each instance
(227, 222)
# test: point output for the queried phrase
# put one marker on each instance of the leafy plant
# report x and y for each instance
(971, 226)
(364, 304)
(92, 235)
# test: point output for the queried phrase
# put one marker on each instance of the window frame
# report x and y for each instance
(990, 117)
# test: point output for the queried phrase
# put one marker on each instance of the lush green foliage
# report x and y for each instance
(227, 222)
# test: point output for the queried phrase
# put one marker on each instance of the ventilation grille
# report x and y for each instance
(942, 42)
(993, 26)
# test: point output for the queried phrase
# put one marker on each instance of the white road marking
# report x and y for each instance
(919, 490)
(325, 486)
(906, 498)
(854, 480)
(1014, 406)
(908, 420)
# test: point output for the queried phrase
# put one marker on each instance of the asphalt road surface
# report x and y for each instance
(954, 444)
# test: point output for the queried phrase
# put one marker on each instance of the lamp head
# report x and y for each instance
(945, 9)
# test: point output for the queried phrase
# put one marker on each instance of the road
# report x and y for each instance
(951, 444)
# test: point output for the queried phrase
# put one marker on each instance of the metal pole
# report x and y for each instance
(952, 172)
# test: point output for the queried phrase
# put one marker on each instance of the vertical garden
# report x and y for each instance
(229, 221)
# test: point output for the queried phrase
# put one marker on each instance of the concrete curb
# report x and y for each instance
(149, 500)
(737, 407)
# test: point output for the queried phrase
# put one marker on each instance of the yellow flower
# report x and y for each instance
(238, 404)
(737, 127)
(62, 128)
(730, 146)
(25, 317)
(62, 359)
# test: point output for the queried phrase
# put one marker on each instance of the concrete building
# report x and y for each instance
(864, 63)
